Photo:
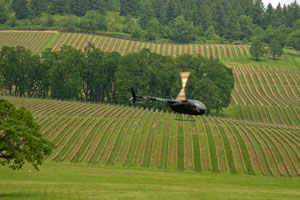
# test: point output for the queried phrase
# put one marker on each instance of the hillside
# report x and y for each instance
(257, 134)
(37, 41)
(124, 136)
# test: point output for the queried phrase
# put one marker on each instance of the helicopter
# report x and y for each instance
(181, 104)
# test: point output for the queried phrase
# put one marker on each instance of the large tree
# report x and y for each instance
(20, 8)
(4, 12)
(16, 65)
(65, 67)
(129, 7)
(275, 48)
(257, 49)
(20, 138)
(294, 39)
(37, 7)
(182, 31)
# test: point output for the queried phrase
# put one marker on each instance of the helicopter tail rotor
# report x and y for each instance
(184, 78)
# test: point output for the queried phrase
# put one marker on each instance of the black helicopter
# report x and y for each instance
(181, 104)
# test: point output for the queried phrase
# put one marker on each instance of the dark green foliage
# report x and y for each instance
(93, 21)
(4, 12)
(20, 138)
(294, 39)
(37, 7)
(182, 31)
(20, 71)
(208, 75)
(58, 6)
(20, 8)
(129, 7)
(246, 27)
(153, 30)
(79, 7)
(257, 13)
(233, 30)
(257, 49)
(210, 34)
(64, 72)
(275, 48)
(108, 77)
(146, 16)
(180, 21)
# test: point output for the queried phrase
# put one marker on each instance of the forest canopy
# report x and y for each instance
(210, 21)
(97, 76)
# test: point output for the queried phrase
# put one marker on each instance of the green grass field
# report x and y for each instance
(85, 181)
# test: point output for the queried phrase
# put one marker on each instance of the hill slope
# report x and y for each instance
(37, 41)
(116, 135)
(259, 133)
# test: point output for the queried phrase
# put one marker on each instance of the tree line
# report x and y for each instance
(107, 77)
(165, 20)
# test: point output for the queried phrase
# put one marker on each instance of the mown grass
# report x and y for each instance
(81, 181)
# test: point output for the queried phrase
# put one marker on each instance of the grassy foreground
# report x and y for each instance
(80, 181)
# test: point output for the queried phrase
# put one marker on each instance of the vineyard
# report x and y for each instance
(266, 94)
(38, 41)
(125, 136)
(258, 134)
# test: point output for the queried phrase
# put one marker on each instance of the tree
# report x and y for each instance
(46, 20)
(246, 24)
(20, 8)
(37, 7)
(58, 6)
(153, 30)
(137, 31)
(128, 7)
(98, 75)
(4, 13)
(211, 81)
(210, 34)
(15, 64)
(147, 15)
(257, 49)
(98, 5)
(93, 21)
(182, 30)
(275, 48)
(79, 7)
(294, 39)
(257, 13)
(64, 76)
(233, 29)
(269, 14)
(20, 138)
